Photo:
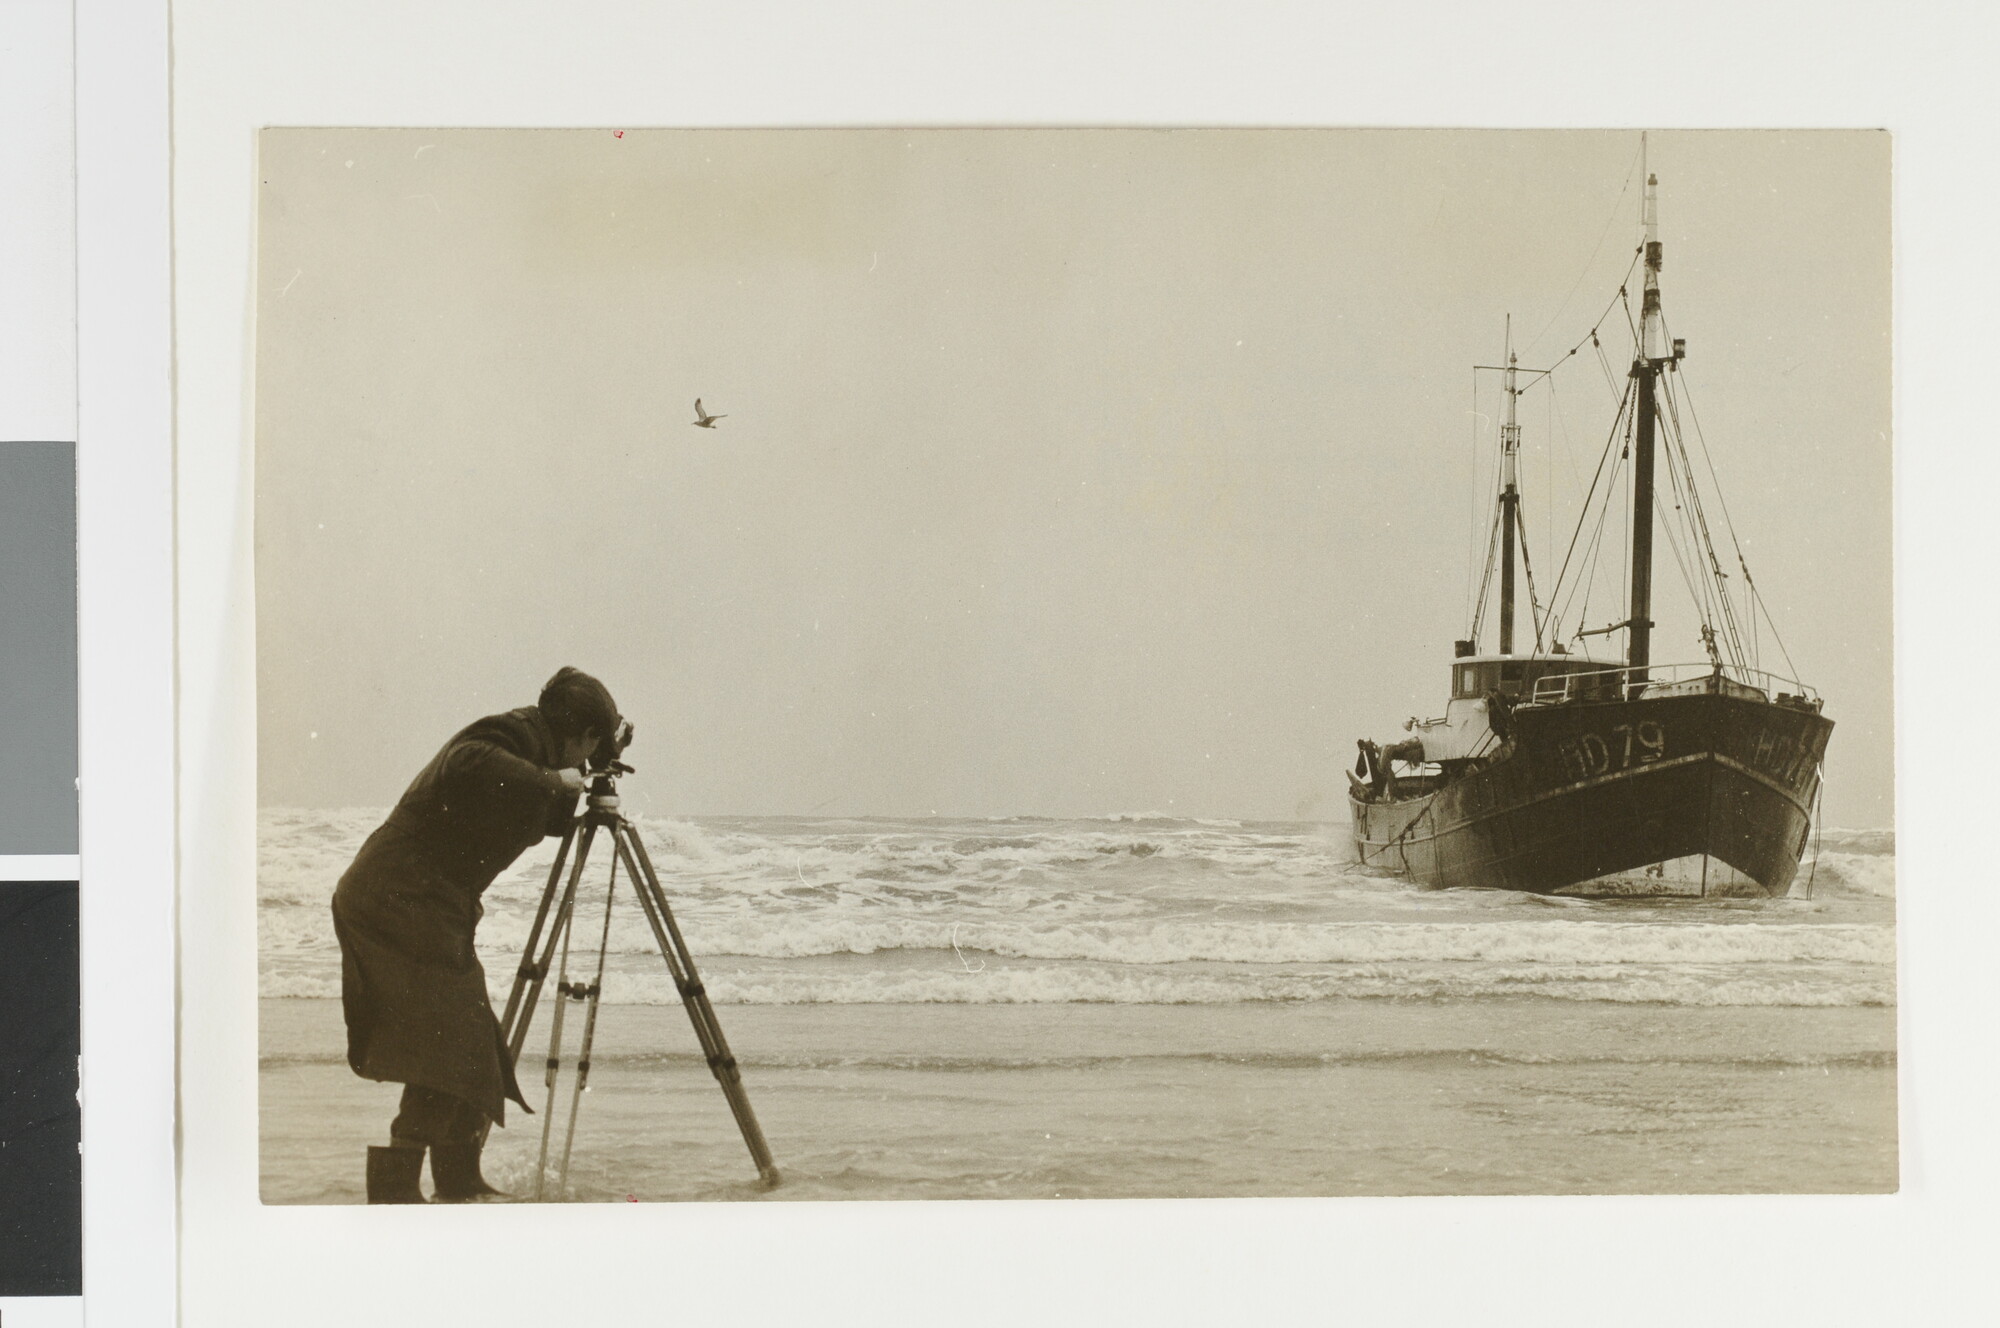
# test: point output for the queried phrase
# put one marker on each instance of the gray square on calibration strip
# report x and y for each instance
(38, 734)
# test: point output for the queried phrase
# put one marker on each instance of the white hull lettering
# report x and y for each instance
(1589, 754)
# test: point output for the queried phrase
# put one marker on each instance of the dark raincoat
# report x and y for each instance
(412, 987)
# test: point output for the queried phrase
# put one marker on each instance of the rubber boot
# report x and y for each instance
(455, 1175)
(394, 1174)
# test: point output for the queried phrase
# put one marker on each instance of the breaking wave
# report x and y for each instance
(1137, 908)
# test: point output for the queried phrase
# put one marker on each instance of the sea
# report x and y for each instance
(1141, 1004)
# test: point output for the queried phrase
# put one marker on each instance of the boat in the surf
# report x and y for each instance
(1552, 770)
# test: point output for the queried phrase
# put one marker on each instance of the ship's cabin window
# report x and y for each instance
(1517, 678)
(1513, 678)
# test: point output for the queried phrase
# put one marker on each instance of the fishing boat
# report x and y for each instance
(1556, 771)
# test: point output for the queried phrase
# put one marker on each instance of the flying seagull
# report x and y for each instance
(702, 419)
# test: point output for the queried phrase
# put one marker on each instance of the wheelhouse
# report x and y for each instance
(1513, 676)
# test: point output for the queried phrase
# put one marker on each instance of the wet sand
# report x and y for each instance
(1362, 1097)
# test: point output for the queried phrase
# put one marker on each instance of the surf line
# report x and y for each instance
(961, 954)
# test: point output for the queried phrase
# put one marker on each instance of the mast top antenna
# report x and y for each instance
(1649, 324)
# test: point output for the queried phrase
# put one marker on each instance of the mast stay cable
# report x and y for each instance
(1609, 222)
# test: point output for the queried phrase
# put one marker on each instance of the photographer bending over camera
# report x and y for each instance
(411, 985)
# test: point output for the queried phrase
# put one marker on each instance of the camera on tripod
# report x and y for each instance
(604, 761)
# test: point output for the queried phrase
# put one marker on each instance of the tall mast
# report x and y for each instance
(1510, 497)
(1645, 368)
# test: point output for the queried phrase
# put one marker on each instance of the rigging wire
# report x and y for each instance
(1549, 433)
(1609, 222)
(1683, 537)
(1624, 284)
(1584, 580)
(1690, 538)
(1708, 541)
(1486, 581)
(1472, 504)
(1498, 463)
(1751, 593)
(1561, 428)
(1477, 610)
(1706, 589)
(1610, 446)
(1587, 569)
(1528, 569)
(1667, 527)
(1610, 378)
(1594, 550)
(1625, 510)
(1697, 518)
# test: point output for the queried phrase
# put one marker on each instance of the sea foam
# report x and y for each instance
(1135, 909)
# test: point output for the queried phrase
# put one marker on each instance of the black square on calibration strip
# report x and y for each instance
(41, 1134)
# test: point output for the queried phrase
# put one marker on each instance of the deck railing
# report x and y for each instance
(1616, 681)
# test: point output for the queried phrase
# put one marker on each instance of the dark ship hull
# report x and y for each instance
(1581, 791)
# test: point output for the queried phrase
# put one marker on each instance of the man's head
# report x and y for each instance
(580, 713)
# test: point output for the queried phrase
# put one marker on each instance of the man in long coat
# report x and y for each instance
(405, 911)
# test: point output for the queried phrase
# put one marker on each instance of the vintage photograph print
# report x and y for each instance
(882, 664)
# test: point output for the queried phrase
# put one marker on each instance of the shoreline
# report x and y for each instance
(1519, 1095)
(1527, 1026)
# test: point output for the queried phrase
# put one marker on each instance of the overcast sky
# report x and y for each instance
(1062, 473)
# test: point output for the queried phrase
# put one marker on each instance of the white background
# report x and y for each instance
(37, 225)
(125, 661)
(241, 64)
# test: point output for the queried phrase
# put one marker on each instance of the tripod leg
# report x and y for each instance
(592, 994)
(708, 1028)
(533, 972)
(694, 996)
(524, 1014)
(527, 972)
(555, 1045)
